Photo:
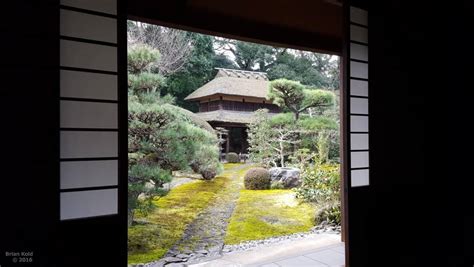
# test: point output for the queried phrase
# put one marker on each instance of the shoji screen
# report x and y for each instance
(358, 104)
(89, 112)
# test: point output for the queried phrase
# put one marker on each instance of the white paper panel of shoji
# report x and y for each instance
(360, 159)
(359, 16)
(87, 26)
(359, 70)
(359, 123)
(359, 177)
(359, 141)
(77, 174)
(83, 204)
(80, 114)
(359, 88)
(88, 56)
(360, 52)
(80, 84)
(88, 144)
(359, 34)
(105, 6)
(359, 105)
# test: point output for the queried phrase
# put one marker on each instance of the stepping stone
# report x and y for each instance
(172, 259)
(157, 264)
(202, 251)
(182, 256)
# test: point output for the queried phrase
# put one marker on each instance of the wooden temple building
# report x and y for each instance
(229, 100)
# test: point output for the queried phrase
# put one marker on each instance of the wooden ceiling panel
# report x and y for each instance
(303, 24)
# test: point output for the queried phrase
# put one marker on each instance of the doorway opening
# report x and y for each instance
(234, 150)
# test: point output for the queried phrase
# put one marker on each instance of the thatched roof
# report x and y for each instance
(234, 82)
(228, 116)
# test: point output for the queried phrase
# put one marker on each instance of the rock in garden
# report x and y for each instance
(157, 264)
(287, 177)
(202, 251)
(182, 256)
(172, 259)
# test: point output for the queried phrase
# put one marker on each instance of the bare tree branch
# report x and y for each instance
(175, 46)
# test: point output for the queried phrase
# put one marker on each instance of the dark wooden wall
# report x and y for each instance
(389, 221)
(236, 106)
(29, 179)
(29, 106)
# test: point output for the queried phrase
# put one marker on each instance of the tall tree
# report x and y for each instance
(198, 70)
(161, 137)
(174, 45)
(249, 56)
(141, 60)
(293, 96)
(312, 69)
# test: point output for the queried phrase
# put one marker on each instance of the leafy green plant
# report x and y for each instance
(257, 179)
(232, 157)
(330, 214)
(162, 137)
(321, 184)
(323, 147)
(277, 185)
(142, 58)
(145, 181)
(206, 162)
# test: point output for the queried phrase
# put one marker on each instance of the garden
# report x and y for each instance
(187, 199)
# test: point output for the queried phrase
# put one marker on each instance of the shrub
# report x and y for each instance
(330, 214)
(257, 179)
(277, 185)
(232, 157)
(320, 184)
(206, 162)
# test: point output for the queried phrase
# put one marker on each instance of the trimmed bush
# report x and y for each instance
(257, 179)
(232, 157)
(206, 162)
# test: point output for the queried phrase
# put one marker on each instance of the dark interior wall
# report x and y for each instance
(389, 222)
(29, 178)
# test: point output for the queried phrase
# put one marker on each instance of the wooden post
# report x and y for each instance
(227, 145)
(242, 141)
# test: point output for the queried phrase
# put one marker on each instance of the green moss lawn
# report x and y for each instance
(258, 214)
(266, 213)
(174, 212)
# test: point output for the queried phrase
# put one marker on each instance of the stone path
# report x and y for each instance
(204, 237)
